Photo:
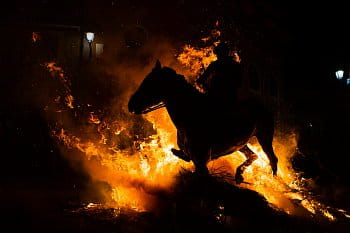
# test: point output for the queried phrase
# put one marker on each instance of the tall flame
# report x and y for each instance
(58, 73)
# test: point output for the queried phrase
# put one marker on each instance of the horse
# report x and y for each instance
(204, 135)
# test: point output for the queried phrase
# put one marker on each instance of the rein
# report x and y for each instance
(150, 109)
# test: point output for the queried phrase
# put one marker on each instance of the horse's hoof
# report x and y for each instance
(274, 169)
(239, 178)
(201, 170)
(180, 154)
(202, 173)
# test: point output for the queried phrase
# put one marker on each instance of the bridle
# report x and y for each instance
(152, 108)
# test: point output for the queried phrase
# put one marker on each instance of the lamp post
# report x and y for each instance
(90, 38)
(339, 74)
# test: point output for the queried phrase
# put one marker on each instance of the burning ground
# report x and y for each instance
(137, 185)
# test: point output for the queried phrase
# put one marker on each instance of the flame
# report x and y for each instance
(138, 166)
(57, 72)
(134, 176)
(69, 101)
(93, 119)
(281, 191)
(197, 59)
(36, 37)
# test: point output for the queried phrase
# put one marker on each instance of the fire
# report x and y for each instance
(281, 191)
(196, 59)
(36, 37)
(136, 166)
(69, 101)
(58, 73)
(94, 119)
(134, 176)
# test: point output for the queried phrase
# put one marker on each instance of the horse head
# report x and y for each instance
(150, 94)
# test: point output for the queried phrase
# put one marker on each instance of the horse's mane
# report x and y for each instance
(180, 79)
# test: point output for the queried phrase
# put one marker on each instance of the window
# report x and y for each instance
(99, 50)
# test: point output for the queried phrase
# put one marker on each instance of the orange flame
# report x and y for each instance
(36, 37)
(93, 119)
(57, 72)
(69, 101)
(197, 59)
(133, 176)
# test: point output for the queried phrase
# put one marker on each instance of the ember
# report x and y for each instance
(94, 119)
(36, 37)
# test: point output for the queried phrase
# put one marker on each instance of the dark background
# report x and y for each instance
(299, 45)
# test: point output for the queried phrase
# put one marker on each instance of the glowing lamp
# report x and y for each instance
(339, 74)
(348, 81)
(90, 37)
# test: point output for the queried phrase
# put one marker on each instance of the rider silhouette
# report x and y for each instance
(221, 80)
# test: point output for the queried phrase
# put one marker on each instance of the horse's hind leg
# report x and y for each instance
(251, 157)
(265, 137)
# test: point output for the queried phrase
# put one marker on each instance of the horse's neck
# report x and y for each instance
(182, 101)
(180, 90)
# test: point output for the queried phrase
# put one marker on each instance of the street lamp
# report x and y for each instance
(90, 38)
(339, 74)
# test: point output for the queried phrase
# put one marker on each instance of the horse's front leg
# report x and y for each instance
(200, 155)
(181, 142)
(251, 157)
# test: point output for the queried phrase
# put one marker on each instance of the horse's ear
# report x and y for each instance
(158, 65)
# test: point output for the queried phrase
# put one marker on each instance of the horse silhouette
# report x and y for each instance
(203, 135)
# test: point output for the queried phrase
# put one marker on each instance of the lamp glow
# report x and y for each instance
(90, 36)
(339, 74)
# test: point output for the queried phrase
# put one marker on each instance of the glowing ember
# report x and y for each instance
(36, 37)
(69, 101)
(94, 119)
(56, 71)
(91, 205)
